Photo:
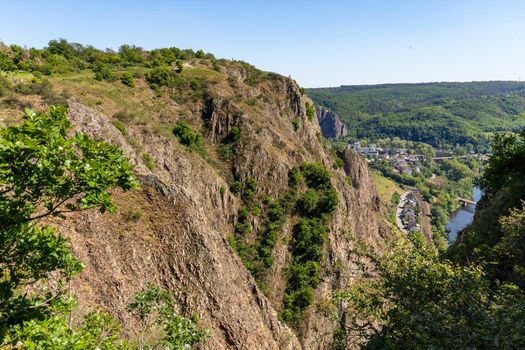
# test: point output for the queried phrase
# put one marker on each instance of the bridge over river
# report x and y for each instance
(466, 201)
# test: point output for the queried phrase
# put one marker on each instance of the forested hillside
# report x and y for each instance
(435, 113)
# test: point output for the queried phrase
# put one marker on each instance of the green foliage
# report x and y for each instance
(249, 189)
(315, 175)
(435, 113)
(131, 55)
(127, 79)
(62, 57)
(296, 122)
(149, 161)
(178, 66)
(225, 152)
(316, 203)
(63, 167)
(178, 332)
(339, 163)
(160, 76)
(257, 257)
(252, 101)
(189, 138)
(395, 198)
(425, 302)
(307, 204)
(101, 70)
(120, 126)
(236, 187)
(43, 89)
(97, 331)
(310, 111)
(507, 163)
(234, 134)
(295, 177)
(348, 180)
(45, 173)
(132, 215)
(496, 236)
(200, 54)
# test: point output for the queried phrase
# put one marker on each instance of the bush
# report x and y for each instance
(316, 175)
(189, 138)
(296, 124)
(310, 111)
(249, 189)
(308, 202)
(234, 134)
(328, 201)
(236, 187)
(225, 152)
(178, 66)
(120, 126)
(295, 177)
(101, 70)
(148, 160)
(276, 213)
(160, 76)
(200, 54)
(396, 198)
(339, 163)
(127, 79)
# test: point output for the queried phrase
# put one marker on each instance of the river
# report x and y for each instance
(462, 217)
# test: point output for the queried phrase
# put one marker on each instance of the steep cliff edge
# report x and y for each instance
(176, 231)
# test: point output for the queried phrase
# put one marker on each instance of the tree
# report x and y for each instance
(6, 63)
(101, 70)
(507, 163)
(127, 79)
(422, 301)
(179, 66)
(160, 76)
(153, 307)
(45, 173)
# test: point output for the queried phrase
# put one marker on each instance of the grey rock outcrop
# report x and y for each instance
(331, 125)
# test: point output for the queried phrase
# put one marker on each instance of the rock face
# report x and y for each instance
(175, 230)
(357, 168)
(331, 125)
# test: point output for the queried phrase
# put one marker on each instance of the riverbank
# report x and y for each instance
(462, 217)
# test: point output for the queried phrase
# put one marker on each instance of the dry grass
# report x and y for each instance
(385, 187)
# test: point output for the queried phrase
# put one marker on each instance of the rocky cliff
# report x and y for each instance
(331, 125)
(176, 231)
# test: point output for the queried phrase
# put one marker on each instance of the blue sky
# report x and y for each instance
(319, 43)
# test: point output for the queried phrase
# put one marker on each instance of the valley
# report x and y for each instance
(170, 199)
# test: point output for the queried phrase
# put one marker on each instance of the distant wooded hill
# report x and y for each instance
(435, 113)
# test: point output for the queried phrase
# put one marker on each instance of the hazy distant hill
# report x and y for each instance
(430, 112)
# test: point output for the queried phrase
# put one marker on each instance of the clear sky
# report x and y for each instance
(319, 43)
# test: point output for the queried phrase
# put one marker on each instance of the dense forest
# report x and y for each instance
(435, 113)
